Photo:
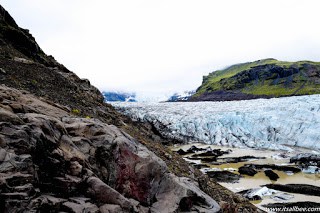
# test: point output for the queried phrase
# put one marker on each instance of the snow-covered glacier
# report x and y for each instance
(278, 123)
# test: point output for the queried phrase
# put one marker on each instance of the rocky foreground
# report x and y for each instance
(82, 164)
(63, 150)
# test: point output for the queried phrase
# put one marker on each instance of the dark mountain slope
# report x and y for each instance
(63, 150)
(261, 79)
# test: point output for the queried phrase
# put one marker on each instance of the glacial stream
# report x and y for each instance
(260, 179)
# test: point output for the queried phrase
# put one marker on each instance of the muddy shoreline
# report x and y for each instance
(270, 177)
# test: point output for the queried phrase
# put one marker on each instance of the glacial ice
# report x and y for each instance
(278, 123)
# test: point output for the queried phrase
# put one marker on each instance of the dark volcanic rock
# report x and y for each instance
(208, 159)
(246, 170)
(191, 150)
(200, 166)
(209, 153)
(275, 167)
(306, 159)
(224, 176)
(271, 174)
(239, 159)
(296, 188)
(182, 152)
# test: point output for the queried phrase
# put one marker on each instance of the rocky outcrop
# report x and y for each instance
(83, 164)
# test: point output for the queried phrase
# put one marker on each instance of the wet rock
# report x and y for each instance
(275, 167)
(296, 188)
(208, 159)
(209, 153)
(224, 176)
(247, 170)
(200, 166)
(271, 175)
(239, 159)
(194, 148)
(182, 152)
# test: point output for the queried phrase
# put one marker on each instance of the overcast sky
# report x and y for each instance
(159, 47)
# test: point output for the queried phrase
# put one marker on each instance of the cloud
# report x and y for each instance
(156, 47)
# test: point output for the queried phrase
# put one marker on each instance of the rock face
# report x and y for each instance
(45, 150)
(261, 123)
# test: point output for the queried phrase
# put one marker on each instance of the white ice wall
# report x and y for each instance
(261, 123)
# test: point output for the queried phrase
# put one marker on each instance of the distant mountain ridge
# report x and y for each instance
(181, 96)
(119, 96)
(260, 79)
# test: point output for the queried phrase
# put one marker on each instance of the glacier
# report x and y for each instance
(277, 123)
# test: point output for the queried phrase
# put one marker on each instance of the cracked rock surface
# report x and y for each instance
(52, 161)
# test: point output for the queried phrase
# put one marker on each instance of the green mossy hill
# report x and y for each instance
(262, 78)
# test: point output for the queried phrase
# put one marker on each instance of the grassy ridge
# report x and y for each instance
(296, 78)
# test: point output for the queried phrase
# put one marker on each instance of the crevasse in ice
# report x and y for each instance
(276, 123)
